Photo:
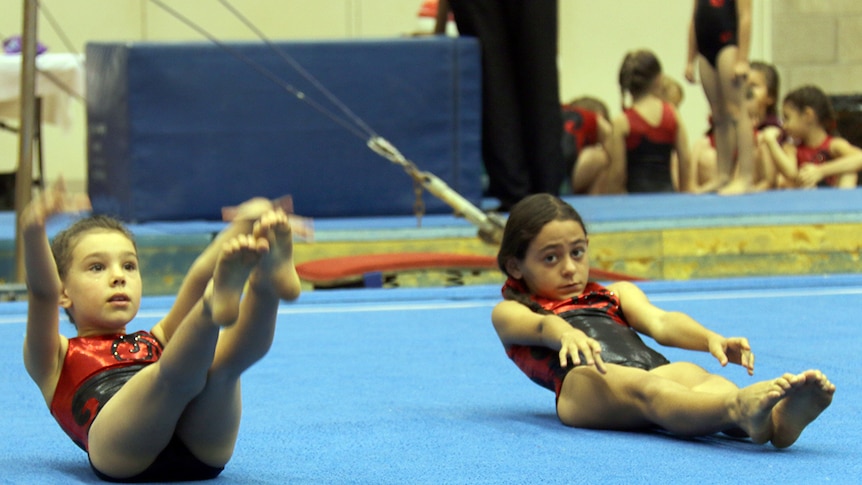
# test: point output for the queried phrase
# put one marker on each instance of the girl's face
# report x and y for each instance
(556, 265)
(102, 288)
(797, 122)
(759, 99)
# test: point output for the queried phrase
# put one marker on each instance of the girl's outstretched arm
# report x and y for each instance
(848, 160)
(43, 344)
(616, 180)
(676, 329)
(518, 325)
(783, 156)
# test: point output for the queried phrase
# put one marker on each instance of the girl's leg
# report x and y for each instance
(695, 378)
(201, 271)
(627, 398)
(592, 162)
(139, 421)
(211, 421)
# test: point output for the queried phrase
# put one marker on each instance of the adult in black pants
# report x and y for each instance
(521, 118)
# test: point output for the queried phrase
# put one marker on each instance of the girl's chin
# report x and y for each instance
(569, 292)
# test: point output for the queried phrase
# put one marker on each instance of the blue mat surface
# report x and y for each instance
(412, 386)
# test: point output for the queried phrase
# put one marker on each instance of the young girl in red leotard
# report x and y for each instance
(813, 156)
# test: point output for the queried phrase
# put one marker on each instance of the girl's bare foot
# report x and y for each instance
(808, 397)
(754, 404)
(276, 272)
(235, 261)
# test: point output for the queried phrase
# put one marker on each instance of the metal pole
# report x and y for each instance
(27, 128)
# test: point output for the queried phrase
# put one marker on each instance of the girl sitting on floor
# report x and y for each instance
(164, 404)
(580, 340)
(813, 156)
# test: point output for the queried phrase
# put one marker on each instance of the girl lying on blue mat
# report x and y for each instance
(580, 340)
(162, 405)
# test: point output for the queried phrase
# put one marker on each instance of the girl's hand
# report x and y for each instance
(689, 72)
(809, 175)
(735, 350)
(740, 71)
(51, 202)
(771, 133)
(575, 343)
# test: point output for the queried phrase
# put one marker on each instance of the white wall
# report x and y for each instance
(594, 36)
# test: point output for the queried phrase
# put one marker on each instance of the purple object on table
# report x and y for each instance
(12, 45)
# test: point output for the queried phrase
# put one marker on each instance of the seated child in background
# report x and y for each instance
(762, 106)
(671, 91)
(647, 133)
(586, 140)
(812, 156)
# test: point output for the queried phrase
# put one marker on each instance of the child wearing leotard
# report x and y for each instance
(586, 138)
(718, 44)
(647, 133)
(163, 404)
(813, 156)
(579, 339)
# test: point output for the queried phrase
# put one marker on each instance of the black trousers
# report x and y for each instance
(521, 116)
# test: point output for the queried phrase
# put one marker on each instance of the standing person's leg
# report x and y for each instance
(211, 421)
(502, 146)
(721, 123)
(534, 50)
(139, 421)
(742, 131)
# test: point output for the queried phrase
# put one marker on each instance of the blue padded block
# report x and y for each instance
(177, 131)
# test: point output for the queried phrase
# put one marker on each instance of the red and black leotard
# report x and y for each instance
(816, 155)
(94, 369)
(598, 314)
(580, 129)
(715, 27)
(648, 152)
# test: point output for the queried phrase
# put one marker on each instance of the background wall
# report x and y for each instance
(594, 36)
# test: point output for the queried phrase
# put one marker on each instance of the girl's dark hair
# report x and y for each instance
(773, 83)
(813, 97)
(639, 70)
(65, 241)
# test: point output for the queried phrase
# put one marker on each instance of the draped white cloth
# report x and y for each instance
(64, 79)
